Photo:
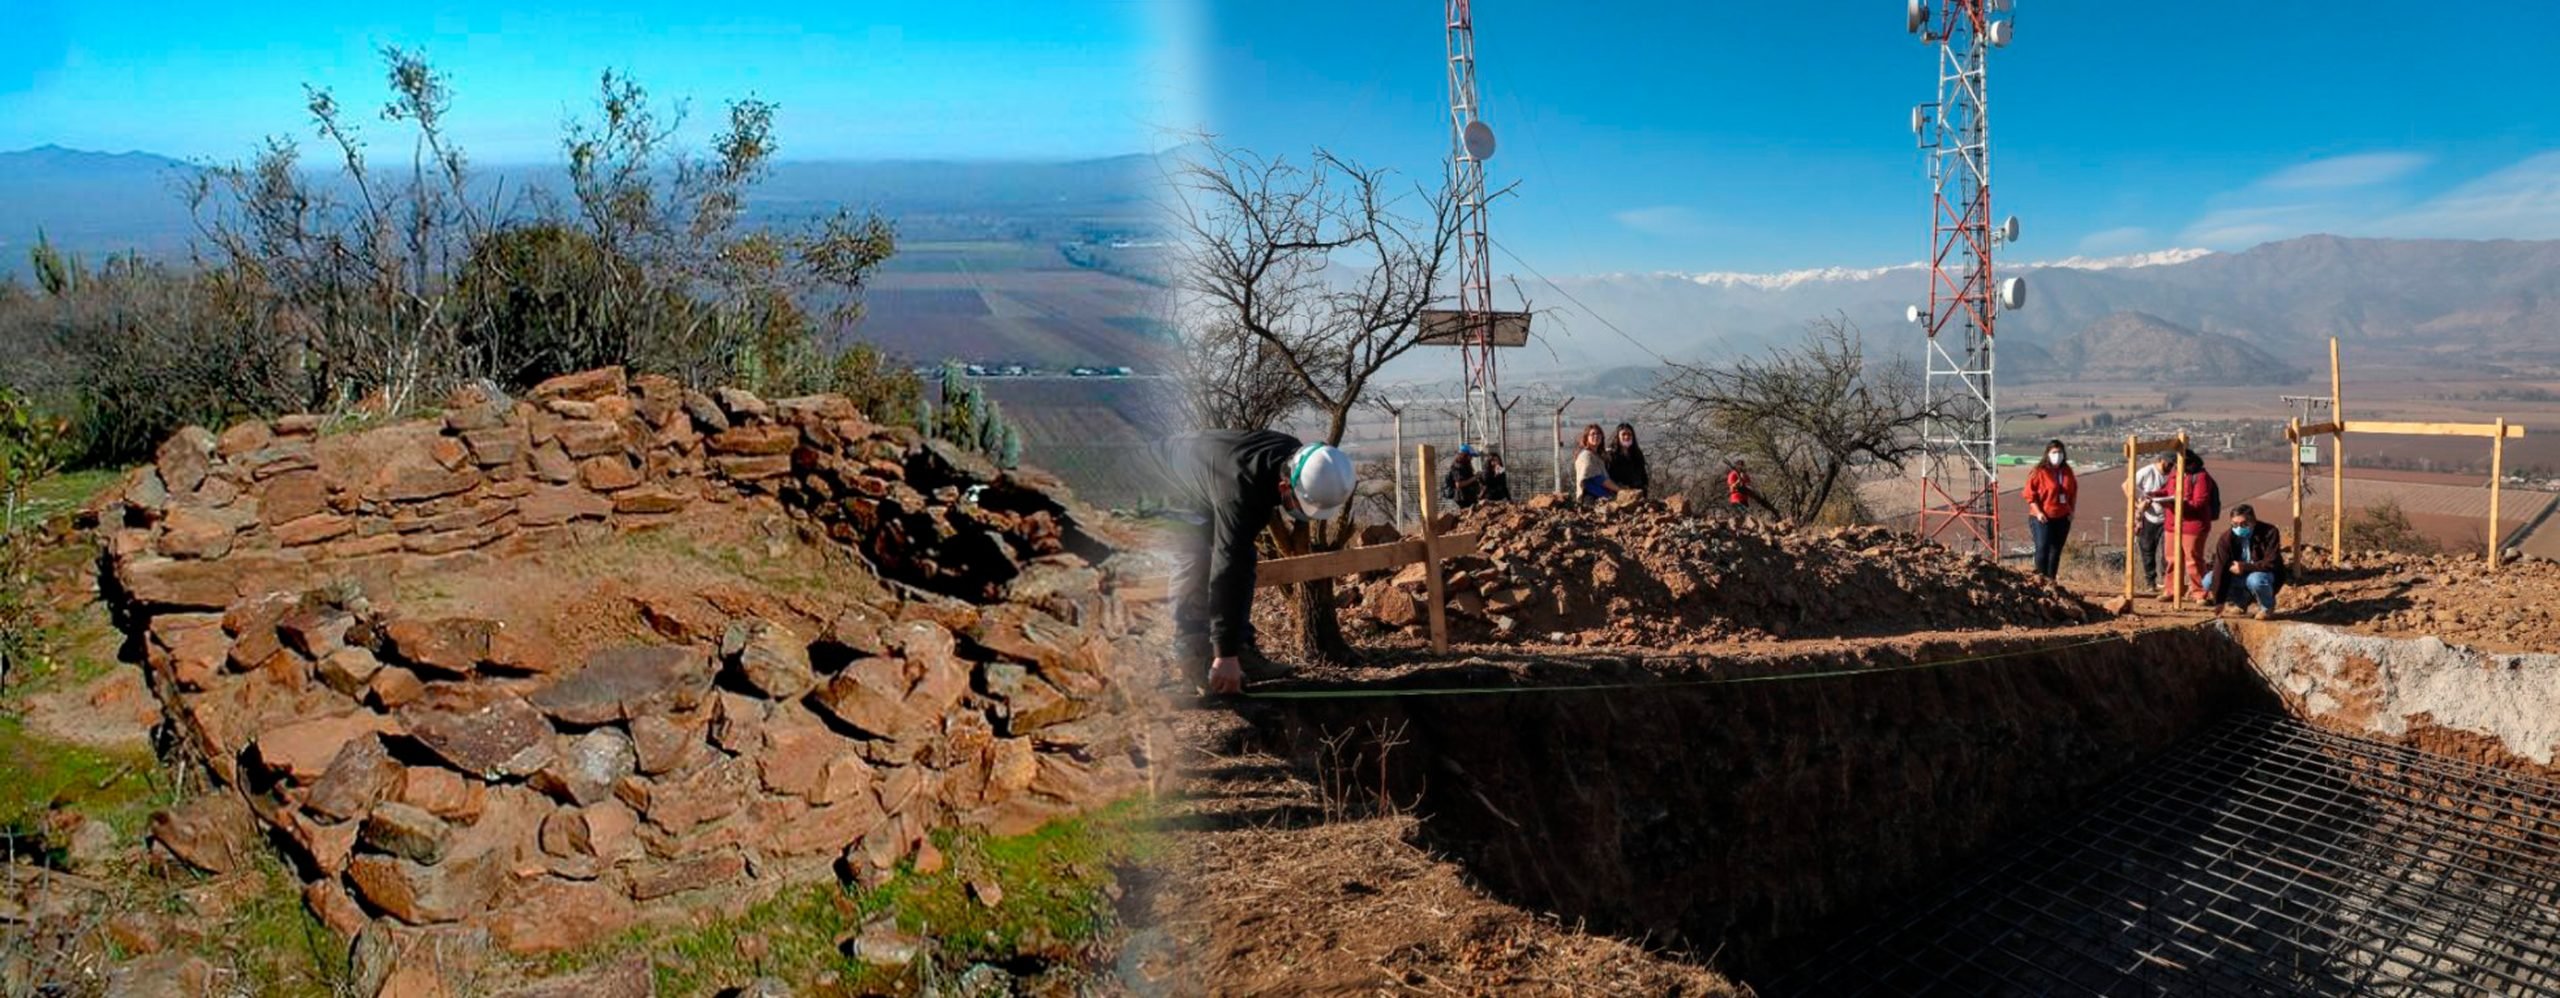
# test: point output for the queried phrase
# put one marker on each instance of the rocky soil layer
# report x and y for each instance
(1655, 574)
(2515, 607)
(448, 785)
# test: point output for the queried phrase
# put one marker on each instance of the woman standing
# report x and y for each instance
(1626, 461)
(2052, 489)
(1591, 466)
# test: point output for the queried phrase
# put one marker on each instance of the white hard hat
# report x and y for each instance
(1322, 476)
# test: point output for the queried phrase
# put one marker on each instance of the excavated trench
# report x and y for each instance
(2231, 809)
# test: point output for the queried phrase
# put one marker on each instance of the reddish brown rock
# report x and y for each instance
(302, 751)
(392, 688)
(452, 646)
(190, 583)
(347, 670)
(749, 469)
(763, 439)
(441, 792)
(583, 438)
(585, 771)
(551, 916)
(411, 833)
(608, 473)
(190, 648)
(449, 452)
(243, 438)
(663, 743)
(1012, 764)
(1030, 702)
(190, 532)
(795, 752)
(870, 695)
(214, 832)
(552, 463)
(314, 631)
(184, 459)
(861, 630)
(480, 731)
(335, 908)
(362, 774)
(414, 475)
(313, 529)
(770, 659)
(696, 873)
(514, 654)
(584, 386)
(649, 501)
(552, 504)
(628, 682)
(843, 778)
(293, 496)
(941, 679)
(423, 895)
(714, 790)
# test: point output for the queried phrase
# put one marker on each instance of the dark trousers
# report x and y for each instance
(1191, 611)
(2147, 535)
(2049, 535)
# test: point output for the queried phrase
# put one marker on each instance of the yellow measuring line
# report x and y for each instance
(1354, 694)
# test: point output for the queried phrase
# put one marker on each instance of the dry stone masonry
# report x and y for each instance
(448, 775)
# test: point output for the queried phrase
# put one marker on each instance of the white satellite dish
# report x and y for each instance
(1479, 139)
(1911, 314)
(2013, 292)
(2009, 230)
(1915, 16)
(1919, 117)
(2000, 33)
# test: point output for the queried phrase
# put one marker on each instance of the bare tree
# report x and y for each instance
(1316, 272)
(1804, 416)
(1234, 380)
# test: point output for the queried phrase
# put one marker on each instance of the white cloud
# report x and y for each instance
(1662, 220)
(2123, 240)
(2345, 172)
(2521, 201)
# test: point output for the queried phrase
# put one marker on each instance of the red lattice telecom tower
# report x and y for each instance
(1960, 481)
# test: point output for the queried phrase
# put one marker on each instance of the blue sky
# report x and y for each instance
(1697, 137)
(868, 80)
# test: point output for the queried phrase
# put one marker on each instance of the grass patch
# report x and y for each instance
(65, 492)
(119, 789)
(1057, 904)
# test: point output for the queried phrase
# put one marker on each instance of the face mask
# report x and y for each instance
(2053, 458)
(2239, 531)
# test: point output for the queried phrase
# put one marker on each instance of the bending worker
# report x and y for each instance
(1232, 480)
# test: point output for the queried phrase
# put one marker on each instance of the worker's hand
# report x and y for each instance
(1226, 675)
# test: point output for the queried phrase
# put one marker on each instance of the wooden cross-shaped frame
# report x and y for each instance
(1432, 548)
(2338, 427)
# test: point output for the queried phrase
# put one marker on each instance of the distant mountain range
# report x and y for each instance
(2451, 305)
(95, 203)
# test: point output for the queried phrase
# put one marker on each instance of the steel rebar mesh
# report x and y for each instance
(2264, 858)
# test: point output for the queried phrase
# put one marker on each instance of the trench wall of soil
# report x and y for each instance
(1743, 819)
(2497, 709)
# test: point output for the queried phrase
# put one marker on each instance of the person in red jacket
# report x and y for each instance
(2052, 490)
(2200, 505)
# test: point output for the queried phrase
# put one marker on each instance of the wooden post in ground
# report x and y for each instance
(2178, 528)
(2497, 472)
(2293, 437)
(2132, 453)
(1433, 582)
(2337, 461)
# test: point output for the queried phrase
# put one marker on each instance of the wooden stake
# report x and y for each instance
(1433, 583)
(2178, 529)
(2130, 502)
(2497, 473)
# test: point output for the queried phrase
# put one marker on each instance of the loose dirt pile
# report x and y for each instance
(2515, 607)
(1652, 573)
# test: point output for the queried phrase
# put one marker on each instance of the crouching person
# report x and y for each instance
(2247, 564)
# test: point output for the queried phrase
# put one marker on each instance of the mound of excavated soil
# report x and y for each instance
(1651, 573)
(2515, 607)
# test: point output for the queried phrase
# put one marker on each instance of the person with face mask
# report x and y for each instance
(2052, 490)
(1233, 481)
(2246, 563)
(2151, 488)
